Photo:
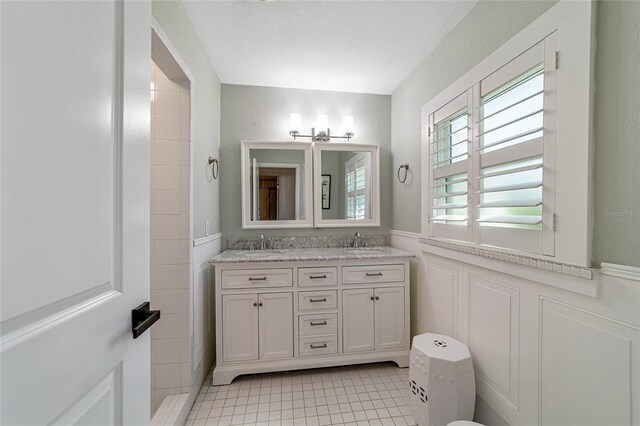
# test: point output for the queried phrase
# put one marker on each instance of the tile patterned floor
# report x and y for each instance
(373, 394)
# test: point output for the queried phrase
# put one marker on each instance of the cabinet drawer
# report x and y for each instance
(321, 299)
(308, 277)
(372, 274)
(313, 325)
(255, 278)
(318, 345)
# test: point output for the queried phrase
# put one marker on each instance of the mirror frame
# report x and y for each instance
(374, 221)
(247, 223)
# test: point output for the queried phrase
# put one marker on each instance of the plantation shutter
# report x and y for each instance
(449, 172)
(357, 185)
(513, 121)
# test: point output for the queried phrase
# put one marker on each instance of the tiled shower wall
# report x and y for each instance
(170, 290)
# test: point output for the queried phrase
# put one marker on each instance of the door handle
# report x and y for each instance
(142, 318)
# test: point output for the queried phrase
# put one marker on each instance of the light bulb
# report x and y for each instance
(347, 124)
(322, 123)
(294, 122)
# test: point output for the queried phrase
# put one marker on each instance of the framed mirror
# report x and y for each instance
(277, 185)
(352, 173)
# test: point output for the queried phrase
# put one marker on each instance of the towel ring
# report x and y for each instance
(404, 166)
(215, 167)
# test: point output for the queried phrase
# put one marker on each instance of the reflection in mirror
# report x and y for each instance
(277, 184)
(351, 180)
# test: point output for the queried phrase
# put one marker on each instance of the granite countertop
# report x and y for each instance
(302, 254)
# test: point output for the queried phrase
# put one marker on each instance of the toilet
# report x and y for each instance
(464, 423)
(441, 381)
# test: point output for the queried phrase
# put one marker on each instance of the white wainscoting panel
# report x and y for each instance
(201, 309)
(410, 242)
(544, 352)
(440, 301)
(590, 368)
(203, 339)
(493, 335)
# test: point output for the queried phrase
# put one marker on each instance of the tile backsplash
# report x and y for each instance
(250, 243)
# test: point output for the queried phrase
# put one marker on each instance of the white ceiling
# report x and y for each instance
(348, 46)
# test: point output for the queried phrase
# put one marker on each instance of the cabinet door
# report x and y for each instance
(276, 325)
(240, 327)
(357, 320)
(389, 317)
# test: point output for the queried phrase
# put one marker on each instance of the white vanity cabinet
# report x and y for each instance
(288, 315)
(388, 318)
(240, 327)
(373, 319)
(257, 326)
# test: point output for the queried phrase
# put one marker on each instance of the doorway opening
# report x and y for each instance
(275, 191)
(278, 186)
(171, 227)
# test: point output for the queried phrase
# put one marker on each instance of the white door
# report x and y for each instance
(389, 317)
(276, 325)
(240, 327)
(357, 320)
(75, 212)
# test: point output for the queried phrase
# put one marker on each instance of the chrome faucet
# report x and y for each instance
(263, 242)
(357, 240)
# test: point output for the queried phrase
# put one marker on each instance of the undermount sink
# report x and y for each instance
(363, 249)
(259, 253)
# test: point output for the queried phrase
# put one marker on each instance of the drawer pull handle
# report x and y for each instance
(317, 277)
(324, 299)
(257, 279)
(319, 346)
(377, 274)
(318, 323)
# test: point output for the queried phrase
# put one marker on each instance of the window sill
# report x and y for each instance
(572, 278)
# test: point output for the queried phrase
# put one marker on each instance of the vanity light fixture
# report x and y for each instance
(324, 132)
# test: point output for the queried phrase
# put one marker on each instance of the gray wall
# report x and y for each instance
(205, 135)
(485, 28)
(262, 114)
(331, 166)
(617, 134)
(617, 107)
